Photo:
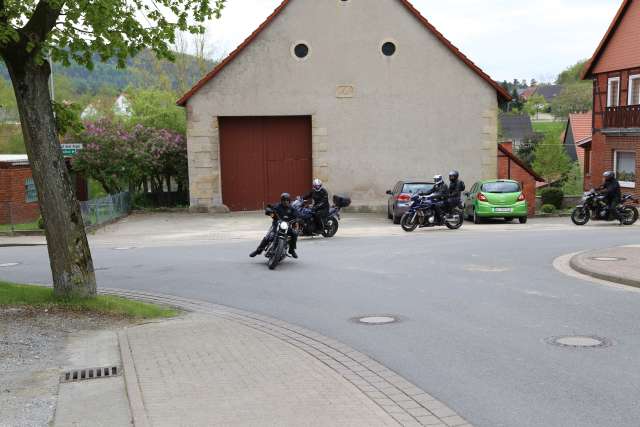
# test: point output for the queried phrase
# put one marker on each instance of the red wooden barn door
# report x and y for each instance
(261, 157)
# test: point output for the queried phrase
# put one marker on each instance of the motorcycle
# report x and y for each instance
(422, 213)
(278, 248)
(594, 207)
(305, 223)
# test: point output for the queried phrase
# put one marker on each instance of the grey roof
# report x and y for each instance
(549, 91)
(516, 126)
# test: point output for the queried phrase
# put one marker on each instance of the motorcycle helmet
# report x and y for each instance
(438, 181)
(285, 199)
(609, 175)
(317, 185)
(454, 175)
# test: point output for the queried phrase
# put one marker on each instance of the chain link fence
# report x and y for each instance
(24, 217)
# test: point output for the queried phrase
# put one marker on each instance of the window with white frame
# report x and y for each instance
(634, 90)
(613, 92)
(625, 166)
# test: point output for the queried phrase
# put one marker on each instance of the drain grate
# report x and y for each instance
(384, 319)
(608, 258)
(89, 374)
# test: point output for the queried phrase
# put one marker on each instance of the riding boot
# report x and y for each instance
(261, 247)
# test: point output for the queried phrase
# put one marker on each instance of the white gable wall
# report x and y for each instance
(417, 113)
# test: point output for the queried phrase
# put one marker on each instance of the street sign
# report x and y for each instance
(70, 150)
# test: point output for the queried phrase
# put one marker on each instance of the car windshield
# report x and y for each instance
(500, 187)
(417, 187)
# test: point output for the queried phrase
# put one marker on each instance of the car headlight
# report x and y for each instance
(284, 226)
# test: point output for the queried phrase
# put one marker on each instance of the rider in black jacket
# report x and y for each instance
(611, 189)
(456, 187)
(285, 212)
(320, 197)
(440, 195)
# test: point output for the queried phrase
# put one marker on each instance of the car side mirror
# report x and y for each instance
(389, 192)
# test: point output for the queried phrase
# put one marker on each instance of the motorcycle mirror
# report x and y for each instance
(389, 192)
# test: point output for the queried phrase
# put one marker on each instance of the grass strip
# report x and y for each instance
(13, 295)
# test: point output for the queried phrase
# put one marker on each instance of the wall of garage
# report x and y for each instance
(375, 119)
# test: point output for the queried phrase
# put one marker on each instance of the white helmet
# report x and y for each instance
(437, 180)
(317, 185)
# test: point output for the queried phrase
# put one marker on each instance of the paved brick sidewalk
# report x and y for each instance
(205, 370)
(619, 265)
(225, 366)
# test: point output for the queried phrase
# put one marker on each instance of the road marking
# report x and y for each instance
(9, 264)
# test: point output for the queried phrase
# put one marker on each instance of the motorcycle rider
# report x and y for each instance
(610, 188)
(285, 212)
(320, 197)
(440, 195)
(456, 187)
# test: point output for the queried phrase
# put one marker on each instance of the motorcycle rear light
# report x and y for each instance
(521, 197)
(482, 197)
(403, 198)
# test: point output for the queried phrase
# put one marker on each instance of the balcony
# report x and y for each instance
(619, 118)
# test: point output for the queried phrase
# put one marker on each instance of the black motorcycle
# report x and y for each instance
(594, 207)
(278, 249)
(422, 213)
(305, 224)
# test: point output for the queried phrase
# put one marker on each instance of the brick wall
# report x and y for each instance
(508, 169)
(603, 148)
(13, 206)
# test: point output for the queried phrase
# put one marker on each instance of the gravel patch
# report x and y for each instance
(31, 356)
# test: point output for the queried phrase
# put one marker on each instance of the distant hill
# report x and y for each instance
(142, 71)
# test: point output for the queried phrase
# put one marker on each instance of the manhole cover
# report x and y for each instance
(579, 341)
(9, 264)
(376, 320)
(608, 259)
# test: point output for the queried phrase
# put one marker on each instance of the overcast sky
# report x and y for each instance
(507, 38)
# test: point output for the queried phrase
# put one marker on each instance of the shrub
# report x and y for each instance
(548, 209)
(552, 196)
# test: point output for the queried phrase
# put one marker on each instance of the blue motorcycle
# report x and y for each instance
(423, 213)
(305, 225)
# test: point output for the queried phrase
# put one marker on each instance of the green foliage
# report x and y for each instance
(534, 105)
(572, 74)
(552, 196)
(156, 109)
(11, 141)
(67, 118)
(40, 223)
(574, 184)
(525, 151)
(548, 209)
(12, 295)
(552, 130)
(551, 160)
(29, 226)
(574, 98)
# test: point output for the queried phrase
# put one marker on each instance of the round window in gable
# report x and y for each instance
(388, 48)
(301, 50)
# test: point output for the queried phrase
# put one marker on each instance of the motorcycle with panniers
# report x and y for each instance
(305, 223)
(594, 207)
(422, 213)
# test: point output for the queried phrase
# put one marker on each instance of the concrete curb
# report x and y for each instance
(402, 400)
(578, 263)
(136, 403)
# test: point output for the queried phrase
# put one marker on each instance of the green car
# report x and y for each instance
(496, 198)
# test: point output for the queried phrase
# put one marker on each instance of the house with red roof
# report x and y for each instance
(357, 93)
(577, 135)
(614, 69)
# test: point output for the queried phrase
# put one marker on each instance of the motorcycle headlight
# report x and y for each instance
(284, 226)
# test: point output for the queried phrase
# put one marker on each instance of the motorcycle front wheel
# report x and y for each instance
(331, 228)
(277, 255)
(580, 216)
(629, 215)
(408, 222)
(454, 221)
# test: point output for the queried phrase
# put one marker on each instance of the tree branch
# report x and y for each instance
(42, 21)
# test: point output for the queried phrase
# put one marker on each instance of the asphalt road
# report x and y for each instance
(476, 308)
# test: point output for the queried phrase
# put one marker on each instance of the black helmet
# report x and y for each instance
(454, 175)
(609, 175)
(285, 197)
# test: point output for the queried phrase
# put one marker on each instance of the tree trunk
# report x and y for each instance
(69, 254)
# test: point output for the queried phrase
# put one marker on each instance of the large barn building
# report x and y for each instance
(359, 93)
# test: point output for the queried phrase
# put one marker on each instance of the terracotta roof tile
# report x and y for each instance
(581, 126)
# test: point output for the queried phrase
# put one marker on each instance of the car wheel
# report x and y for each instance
(523, 220)
(476, 218)
(396, 219)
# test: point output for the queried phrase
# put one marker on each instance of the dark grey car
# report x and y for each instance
(400, 197)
